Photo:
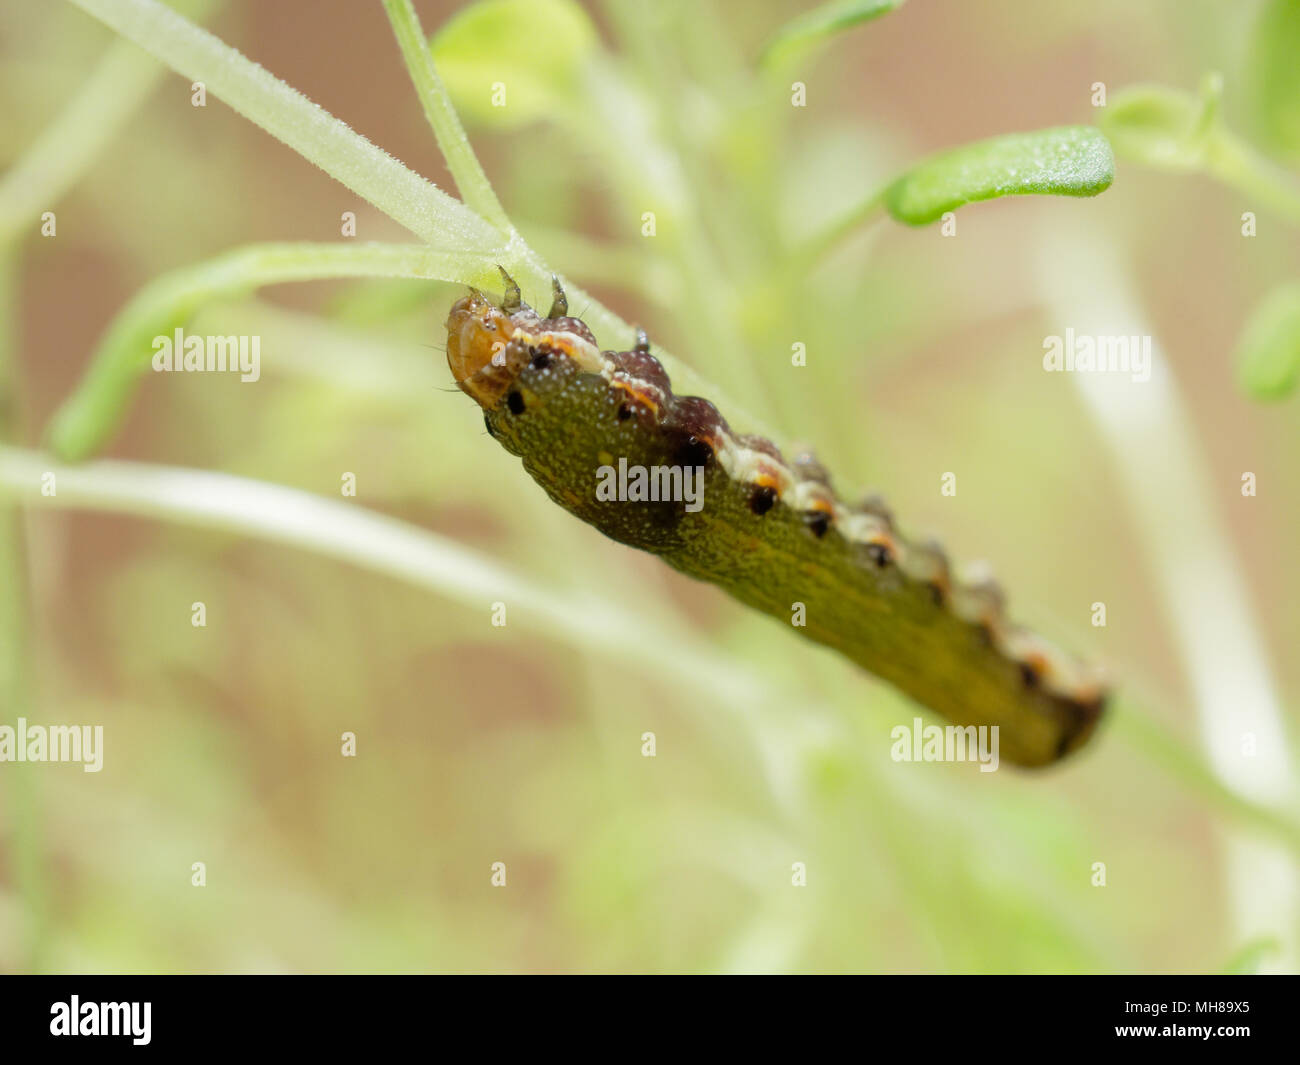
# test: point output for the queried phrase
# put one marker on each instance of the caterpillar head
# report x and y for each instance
(479, 337)
(488, 346)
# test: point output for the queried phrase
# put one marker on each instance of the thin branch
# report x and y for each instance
(471, 180)
(89, 416)
(1149, 433)
(290, 117)
(373, 541)
(384, 545)
(400, 193)
(116, 87)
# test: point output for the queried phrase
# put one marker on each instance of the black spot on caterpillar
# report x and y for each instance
(770, 531)
(762, 499)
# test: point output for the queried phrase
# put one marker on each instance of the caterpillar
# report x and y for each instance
(770, 531)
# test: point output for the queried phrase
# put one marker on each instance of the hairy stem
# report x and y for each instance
(290, 117)
(400, 193)
(475, 189)
(89, 416)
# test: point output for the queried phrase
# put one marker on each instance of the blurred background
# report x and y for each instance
(520, 744)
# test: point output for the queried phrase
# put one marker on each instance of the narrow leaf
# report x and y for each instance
(1067, 161)
(821, 22)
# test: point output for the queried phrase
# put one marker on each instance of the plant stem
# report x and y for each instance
(403, 195)
(1234, 162)
(86, 419)
(471, 180)
(1159, 745)
(822, 244)
(116, 87)
(385, 545)
(30, 875)
(36, 182)
(290, 117)
(1149, 433)
(87, 123)
(620, 266)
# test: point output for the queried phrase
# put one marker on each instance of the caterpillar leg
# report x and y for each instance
(512, 300)
(642, 342)
(559, 302)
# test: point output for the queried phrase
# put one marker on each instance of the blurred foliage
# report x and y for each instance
(1268, 353)
(802, 34)
(538, 46)
(1163, 127)
(1274, 76)
(480, 744)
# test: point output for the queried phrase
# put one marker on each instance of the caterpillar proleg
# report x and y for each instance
(770, 530)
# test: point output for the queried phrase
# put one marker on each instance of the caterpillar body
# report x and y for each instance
(770, 530)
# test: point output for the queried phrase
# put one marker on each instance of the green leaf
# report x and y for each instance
(812, 27)
(1273, 70)
(1163, 127)
(1067, 161)
(1268, 353)
(532, 51)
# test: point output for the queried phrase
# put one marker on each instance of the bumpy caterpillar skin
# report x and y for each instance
(770, 531)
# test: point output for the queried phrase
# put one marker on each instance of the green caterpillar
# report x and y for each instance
(729, 509)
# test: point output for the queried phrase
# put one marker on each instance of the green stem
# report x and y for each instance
(622, 266)
(822, 244)
(116, 87)
(290, 117)
(89, 416)
(1158, 744)
(370, 172)
(1162, 474)
(88, 122)
(423, 559)
(30, 874)
(35, 183)
(1235, 163)
(471, 180)
(651, 177)
(384, 545)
